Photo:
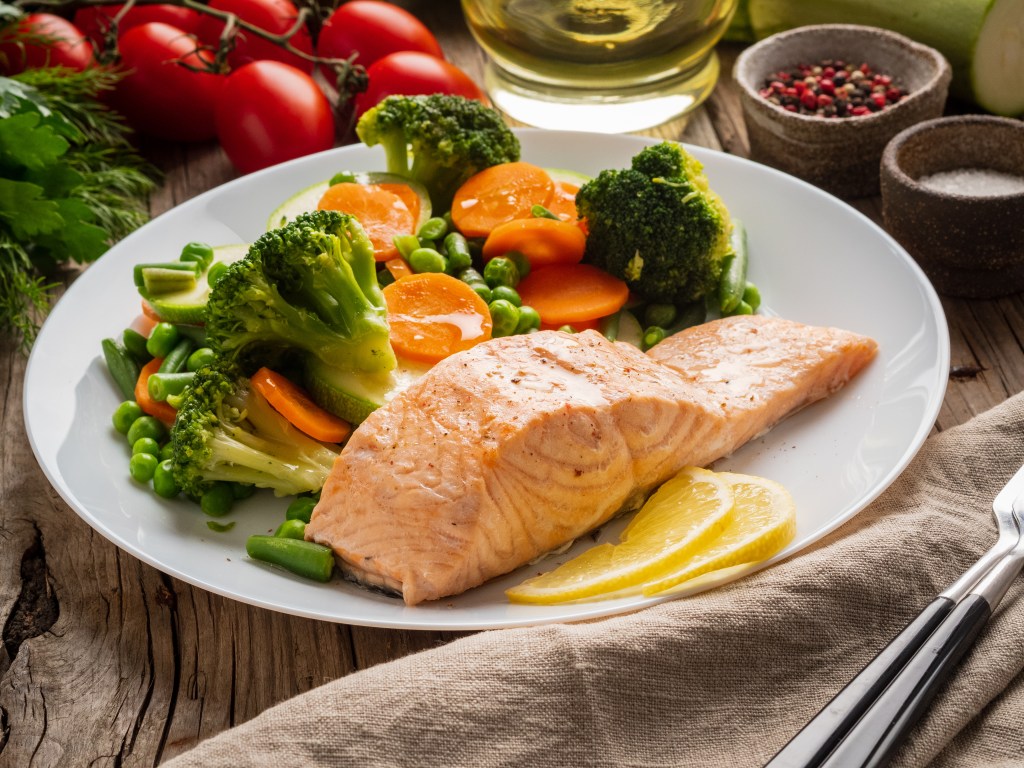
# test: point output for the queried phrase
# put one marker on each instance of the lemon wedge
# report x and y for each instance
(762, 523)
(679, 521)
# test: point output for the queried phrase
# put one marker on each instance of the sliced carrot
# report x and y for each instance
(383, 212)
(160, 410)
(498, 194)
(433, 315)
(292, 402)
(149, 312)
(542, 241)
(572, 293)
(398, 267)
(563, 201)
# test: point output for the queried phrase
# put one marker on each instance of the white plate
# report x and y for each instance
(815, 259)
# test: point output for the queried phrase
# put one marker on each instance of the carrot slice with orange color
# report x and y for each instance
(292, 402)
(398, 267)
(498, 194)
(542, 241)
(572, 293)
(149, 313)
(433, 315)
(156, 408)
(563, 201)
(382, 209)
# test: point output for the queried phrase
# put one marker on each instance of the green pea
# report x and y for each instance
(125, 415)
(433, 228)
(752, 297)
(162, 339)
(529, 320)
(291, 529)
(662, 315)
(504, 317)
(166, 451)
(652, 336)
(427, 260)
(142, 466)
(146, 445)
(482, 290)
(242, 490)
(567, 328)
(218, 500)
(305, 558)
(743, 308)
(470, 275)
(147, 426)
(522, 263)
(459, 257)
(199, 358)
(200, 253)
(510, 295)
(164, 483)
(501, 271)
(301, 509)
(216, 272)
(406, 244)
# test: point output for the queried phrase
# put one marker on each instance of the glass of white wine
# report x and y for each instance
(609, 66)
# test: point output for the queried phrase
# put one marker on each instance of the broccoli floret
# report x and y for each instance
(438, 140)
(308, 288)
(226, 431)
(657, 225)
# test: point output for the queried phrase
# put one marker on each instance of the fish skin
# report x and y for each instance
(507, 451)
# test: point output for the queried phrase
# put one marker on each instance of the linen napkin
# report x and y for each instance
(722, 678)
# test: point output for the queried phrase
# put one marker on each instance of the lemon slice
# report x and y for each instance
(679, 520)
(762, 523)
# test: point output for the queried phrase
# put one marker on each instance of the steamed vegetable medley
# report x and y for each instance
(250, 364)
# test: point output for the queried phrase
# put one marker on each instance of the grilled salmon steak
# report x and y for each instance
(513, 448)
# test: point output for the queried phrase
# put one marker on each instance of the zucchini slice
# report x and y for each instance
(352, 395)
(189, 306)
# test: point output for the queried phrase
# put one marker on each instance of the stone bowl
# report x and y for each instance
(838, 154)
(953, 196)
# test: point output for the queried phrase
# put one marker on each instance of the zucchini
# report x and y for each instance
(352, 395)
(982, 39)
(189, 306)
(307, 199)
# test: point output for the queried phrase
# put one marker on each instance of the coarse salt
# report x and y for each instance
(974, 182)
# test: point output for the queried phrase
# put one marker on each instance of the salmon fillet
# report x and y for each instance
(515, 447)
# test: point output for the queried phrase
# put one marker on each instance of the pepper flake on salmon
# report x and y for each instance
(509, 450)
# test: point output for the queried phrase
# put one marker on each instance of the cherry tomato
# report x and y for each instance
(275, 16)
(159, 96)
(70, 48)
(373, 29)
(410, 73)
(94, 20)
(270, 112)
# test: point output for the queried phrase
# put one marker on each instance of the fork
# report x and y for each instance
(866, 719)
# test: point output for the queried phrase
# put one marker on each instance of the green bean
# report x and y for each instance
(188, 270)
(146, 426)
(301, 509)
(163, 385)
(433, 228)
(406, 244)
(218, 500)
(540, 212)
(510, 295)
(652, 336)
(200, 253)
(663, 315)
(291, 529)
(304, 558)
(529, 320)
(195, 332)
(164, 483)
(135, 343)
(427, 260)
(125, 415)
(142, 466)
(459, 257)
(199, 358)
(215, 273)
(122, 366)
(162, 339)
(482, 290)
(146, 445)
(734, 270)
(501, 271)
(504, 317)
(176, 360)
(342, 177)
(470, 275)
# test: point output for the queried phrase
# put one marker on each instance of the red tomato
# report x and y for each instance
(94, 20)
(410, 73)
(270, 112)
(70, 48)
(275, 16)
(373, 29)
(159, 96)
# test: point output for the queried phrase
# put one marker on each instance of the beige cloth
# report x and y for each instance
(723, 678)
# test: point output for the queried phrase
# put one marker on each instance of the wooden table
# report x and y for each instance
(107, 661)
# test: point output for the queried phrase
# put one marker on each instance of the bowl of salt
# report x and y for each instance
(953, 196)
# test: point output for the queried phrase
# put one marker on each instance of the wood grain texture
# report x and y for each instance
(106, 661)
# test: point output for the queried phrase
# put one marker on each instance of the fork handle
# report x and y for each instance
(819, 737)
(879, 731)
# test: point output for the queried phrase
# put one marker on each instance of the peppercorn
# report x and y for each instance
(832, 88)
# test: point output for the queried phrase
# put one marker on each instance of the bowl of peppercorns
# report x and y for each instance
(821, 102)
